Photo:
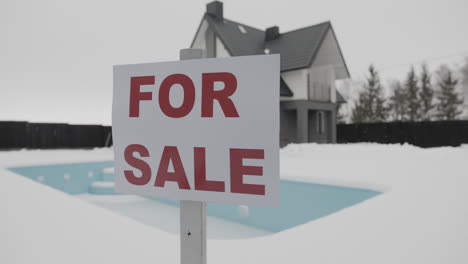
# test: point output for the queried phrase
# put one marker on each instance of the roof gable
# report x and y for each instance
(298, 48)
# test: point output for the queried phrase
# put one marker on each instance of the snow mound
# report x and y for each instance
(103, 184)
(44, 225)
(420, 218)
(108, 170)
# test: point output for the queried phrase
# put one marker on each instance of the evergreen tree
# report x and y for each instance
(340, 117)
(412, 92)
(398, 103)
(426, 94)
(464, 84)
(359, 114)
(449, 101)
(464, 76)
(370, 106)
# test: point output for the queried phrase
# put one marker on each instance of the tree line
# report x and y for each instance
(422, 96)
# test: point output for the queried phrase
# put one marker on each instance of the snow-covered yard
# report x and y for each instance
(421, 217)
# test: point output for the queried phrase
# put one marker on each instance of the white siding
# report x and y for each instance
(329, 54)
(297, 82)
(319, 87)
(221, 51)
(200, 41)
(318, 82)
(322, 83)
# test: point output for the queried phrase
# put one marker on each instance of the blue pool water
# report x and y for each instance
(301, 202)
(73, 178)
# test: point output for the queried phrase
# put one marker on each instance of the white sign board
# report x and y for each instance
(201, 130)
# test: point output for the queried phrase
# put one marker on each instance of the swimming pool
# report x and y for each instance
(301, 202)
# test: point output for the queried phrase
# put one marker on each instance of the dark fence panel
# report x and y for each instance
(18, 135)
(422, 134)
(13, 134)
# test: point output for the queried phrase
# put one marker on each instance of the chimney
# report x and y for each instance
(272, 33)
(215, 10)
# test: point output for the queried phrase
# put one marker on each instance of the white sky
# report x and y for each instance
(56, 56)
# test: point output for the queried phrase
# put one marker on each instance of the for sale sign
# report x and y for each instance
(201, 130)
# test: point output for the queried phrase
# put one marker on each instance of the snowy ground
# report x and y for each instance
(166, 217)
(420, 218)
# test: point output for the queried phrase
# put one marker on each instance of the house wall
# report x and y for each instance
(221, 51)
(329, 54)
(210, 43)
(207, 40)
(304, 114)
(317, 83)
(297, 82)
(200, 39)
(322, 83)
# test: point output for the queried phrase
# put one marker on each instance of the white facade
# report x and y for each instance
(329, 55)
(317, 83)
(221, 51)
(200, 41)
(297, 82)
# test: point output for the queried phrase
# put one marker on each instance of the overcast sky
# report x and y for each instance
(56, 56)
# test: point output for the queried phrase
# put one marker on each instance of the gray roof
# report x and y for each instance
(307, 42)
(237, 43)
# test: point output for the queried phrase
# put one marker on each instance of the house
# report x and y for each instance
(311, 62)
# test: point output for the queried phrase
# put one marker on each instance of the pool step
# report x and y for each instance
(107, 177)
(102, 187)
(107, 174)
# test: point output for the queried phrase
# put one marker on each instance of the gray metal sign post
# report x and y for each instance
(192, 213)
